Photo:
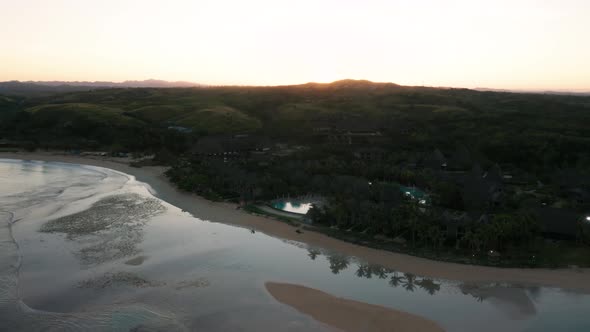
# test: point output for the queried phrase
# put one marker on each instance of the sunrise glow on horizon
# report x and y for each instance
(518, 44)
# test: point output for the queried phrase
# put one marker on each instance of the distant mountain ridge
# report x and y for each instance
(150, 83)
(547, 92)
(44, 88)
(351, 84)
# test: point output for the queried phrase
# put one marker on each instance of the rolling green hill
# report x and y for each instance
(216, 119)
(75, 113)
(158, 113)
(532, 129)
(8, 104)
(220, 119)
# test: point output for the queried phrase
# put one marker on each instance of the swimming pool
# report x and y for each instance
(299, 205)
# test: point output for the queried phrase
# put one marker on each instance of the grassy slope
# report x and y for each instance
(217, 119)
(7, 104)
(158, 113)
(450, 115)
(199, 109)
(220, 119)
(63, 113)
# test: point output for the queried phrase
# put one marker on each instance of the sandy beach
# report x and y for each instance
(571, 279)
(348, 315)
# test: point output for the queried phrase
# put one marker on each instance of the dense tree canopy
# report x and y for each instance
(488, 161)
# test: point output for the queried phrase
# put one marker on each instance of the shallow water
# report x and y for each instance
(92, 249)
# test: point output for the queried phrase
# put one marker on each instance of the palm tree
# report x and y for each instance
(428, 285)
(473, 240)
(363, 271)
(338, 263)
(378, 270)
(441, 236)
(409, 214)
(313, 253)
(436, 236)
(409, 282)
(395, 279)
(529, 228)
(583, 233)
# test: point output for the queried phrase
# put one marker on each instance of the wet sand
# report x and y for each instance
(571, 279)
(347, 315)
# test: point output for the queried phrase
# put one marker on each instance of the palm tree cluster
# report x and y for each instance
(408, 281)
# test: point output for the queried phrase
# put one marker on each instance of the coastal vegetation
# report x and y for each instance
(507, 175)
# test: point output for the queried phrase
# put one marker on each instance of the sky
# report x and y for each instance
(503, 44)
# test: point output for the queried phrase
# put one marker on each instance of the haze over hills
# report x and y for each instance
(46, 88)
(149, 83)
(549, 92)
(42, 88)
(49, 87)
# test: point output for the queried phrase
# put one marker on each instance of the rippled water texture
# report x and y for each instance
(85, 248)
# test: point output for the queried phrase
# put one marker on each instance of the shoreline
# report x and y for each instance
(222, 212)
(347, 315)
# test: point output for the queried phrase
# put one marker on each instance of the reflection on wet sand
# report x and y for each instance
(121, 279)
(110, 229)
(196, 283)
(17, 316)
(136, 261)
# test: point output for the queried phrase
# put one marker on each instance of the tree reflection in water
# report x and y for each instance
(428, 285)
(364, 270)
(313, 253)
(409, 282)
(338, 263)
(370, 270)
(514, 301)
(396, 279)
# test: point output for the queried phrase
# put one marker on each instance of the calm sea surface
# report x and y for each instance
(86, 248)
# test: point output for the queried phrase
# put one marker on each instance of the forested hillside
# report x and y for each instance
(501, 170)
(532, 131)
